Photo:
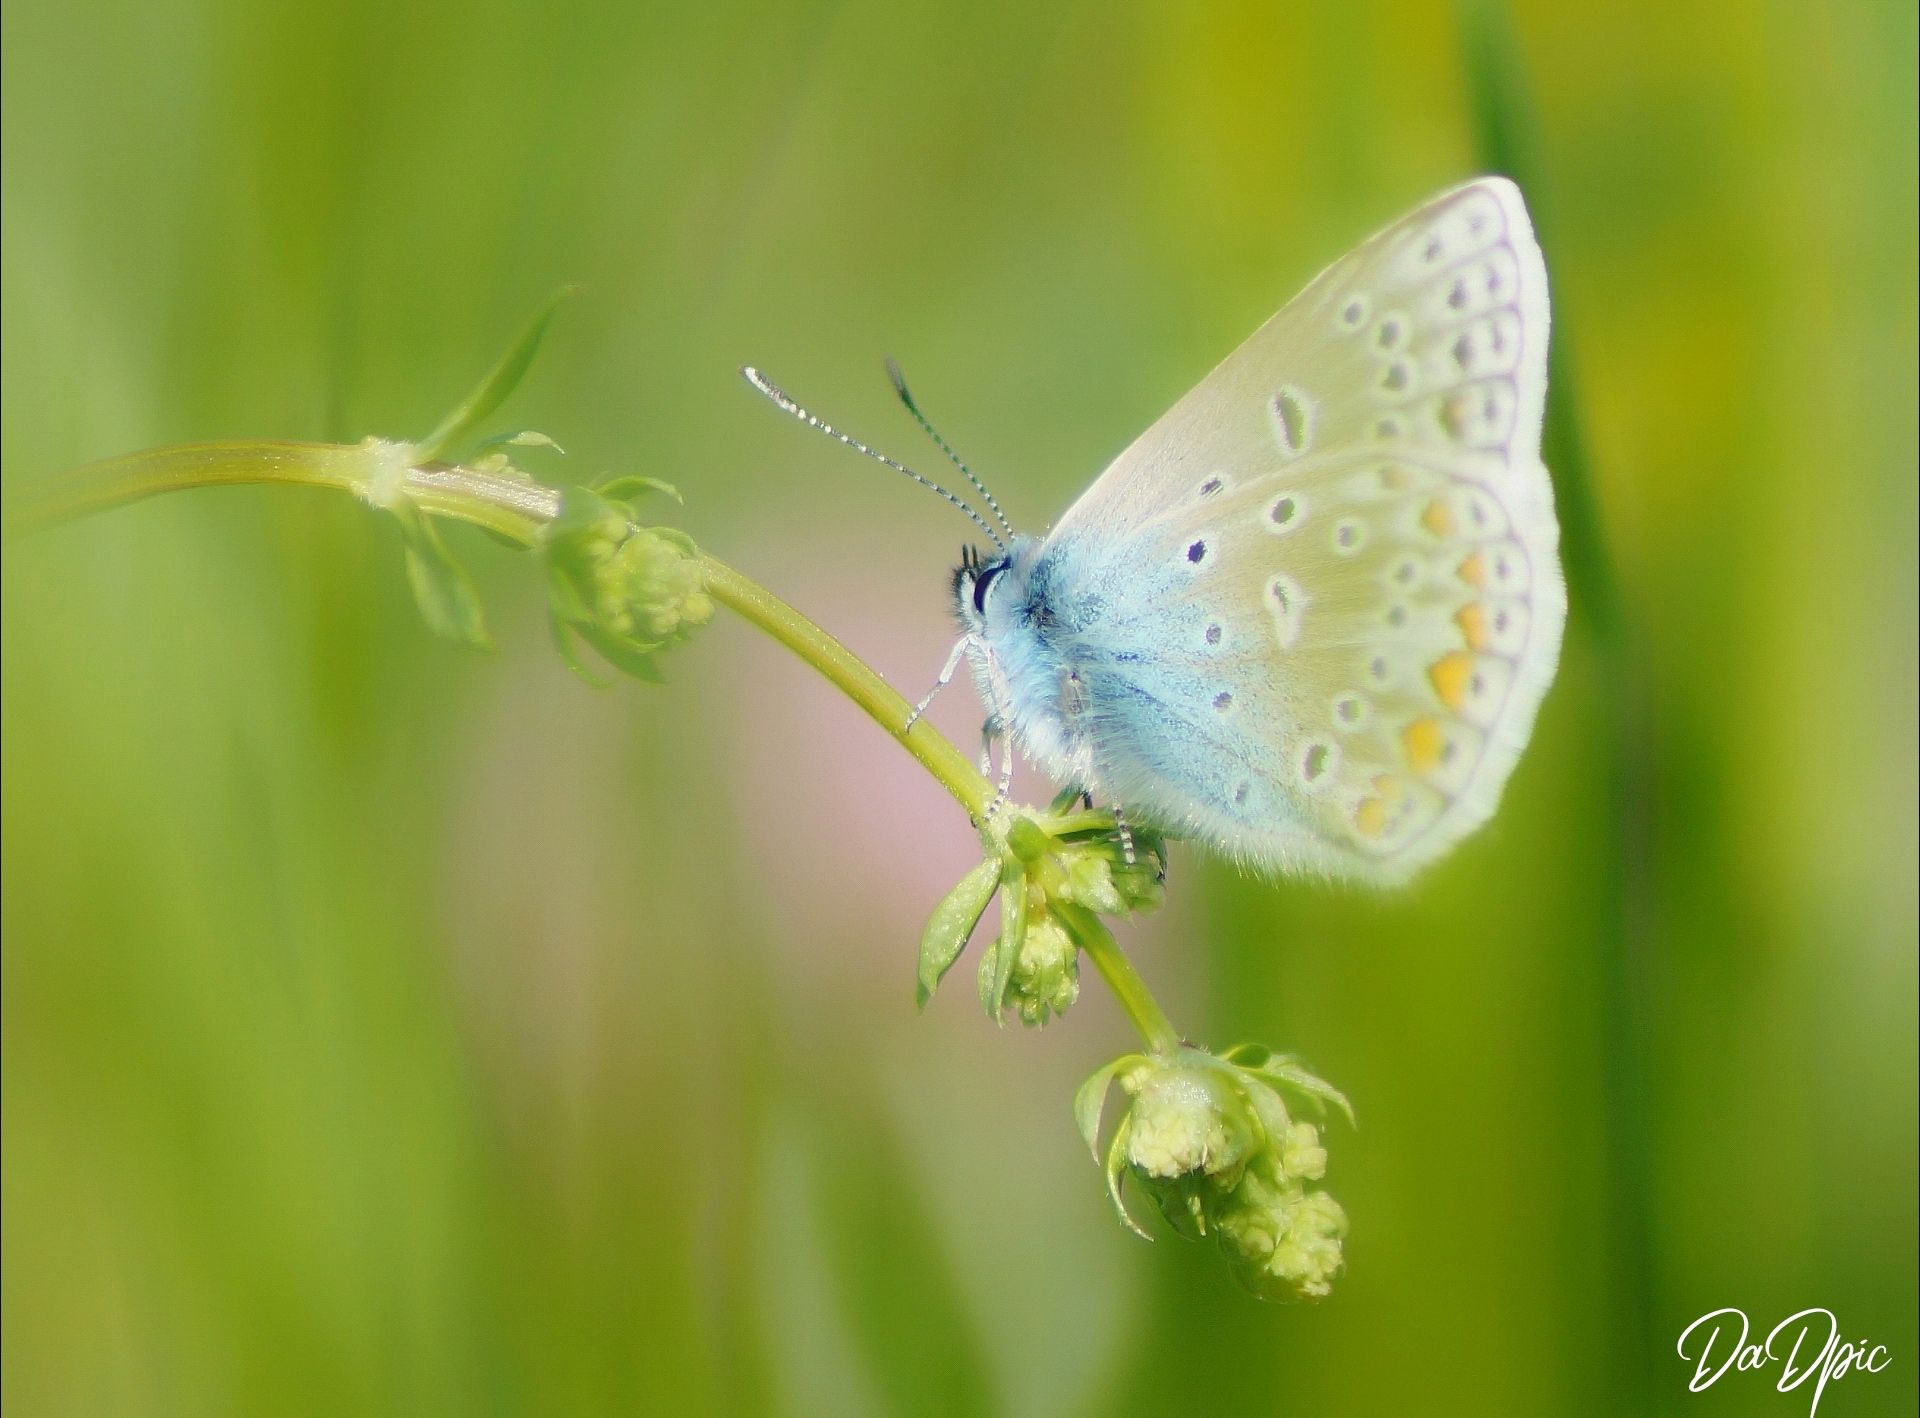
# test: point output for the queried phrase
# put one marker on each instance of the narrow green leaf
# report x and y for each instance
(1090, 1101)
(1286, 1071)
(492, 391)
(564, 642)
(984, 977)
(441, 586)
(525, 438)
(951, 926)
(502, 539)
(565, 600)
(1116, 1165)
(627, 488)
(1013, 934)
(623, 655)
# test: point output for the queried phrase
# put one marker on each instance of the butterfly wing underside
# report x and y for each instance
(1336, 559)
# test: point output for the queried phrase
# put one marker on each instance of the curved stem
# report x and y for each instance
(1092, 936)
(854, 678)
(113, 482)
(519, 509)
(514, 507)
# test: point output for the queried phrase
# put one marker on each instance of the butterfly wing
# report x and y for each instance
(1329, 590)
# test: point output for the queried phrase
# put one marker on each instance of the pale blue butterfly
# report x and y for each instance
(1309, 615)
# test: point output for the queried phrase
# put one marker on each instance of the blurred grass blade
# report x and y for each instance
(900, 1300)
(1621, 876)
(1504, 126)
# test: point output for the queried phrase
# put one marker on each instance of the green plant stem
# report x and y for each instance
(519, 510)
(1092, 936)
(513, 507)
(854, 678)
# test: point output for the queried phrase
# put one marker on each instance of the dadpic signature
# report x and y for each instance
(1806, 1345)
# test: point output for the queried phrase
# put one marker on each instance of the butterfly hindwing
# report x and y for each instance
(1331, 588)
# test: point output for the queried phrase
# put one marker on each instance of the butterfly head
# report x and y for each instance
(988, 588)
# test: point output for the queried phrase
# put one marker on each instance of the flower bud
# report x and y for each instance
(1211, 1142)
(1187, 1117)
(1054, 872)
(627, 590)
(1300, 1154)
(1283, 1241)
(648, 587)
(1098, 876)
(1045, 979)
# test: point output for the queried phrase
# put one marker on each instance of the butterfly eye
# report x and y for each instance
(982, 581)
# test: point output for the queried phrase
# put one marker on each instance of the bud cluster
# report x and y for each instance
(1051, 871)
(626, 589)
(1211, 1141)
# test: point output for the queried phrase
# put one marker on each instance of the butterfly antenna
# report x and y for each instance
(779, 396)
(906, 397)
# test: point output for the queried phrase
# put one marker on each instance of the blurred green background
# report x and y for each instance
(389, 1029)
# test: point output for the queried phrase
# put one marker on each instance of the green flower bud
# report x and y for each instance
(1050, 870)
(626, 589)
(1300, 1154)
(1211, 1143)
(1046, 973)
(1089, 883)
(1284, 1242)
(1187, 1117)
(1142, 886)
(1097, 875)
(648, 586)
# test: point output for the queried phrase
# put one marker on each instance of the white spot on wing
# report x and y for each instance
(1292, 416)
(1287, 604)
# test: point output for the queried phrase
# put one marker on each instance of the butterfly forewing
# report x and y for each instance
(1342, 551)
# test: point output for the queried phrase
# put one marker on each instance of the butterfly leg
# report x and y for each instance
(1126, 833)
(960, 647)
(992, 732)
(1006, 777)
(989, 735)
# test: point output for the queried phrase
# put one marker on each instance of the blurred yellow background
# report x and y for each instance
(389, 1029)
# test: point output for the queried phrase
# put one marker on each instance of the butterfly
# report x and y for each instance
(1308, 616)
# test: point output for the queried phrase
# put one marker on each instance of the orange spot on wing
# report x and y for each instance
(1473, 570)
(1472, 621)
(1438, 518)
(1451, 674)
(1425, 741)
(1382, 815)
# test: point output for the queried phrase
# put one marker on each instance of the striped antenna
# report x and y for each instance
(900, 388)
(779, 396)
